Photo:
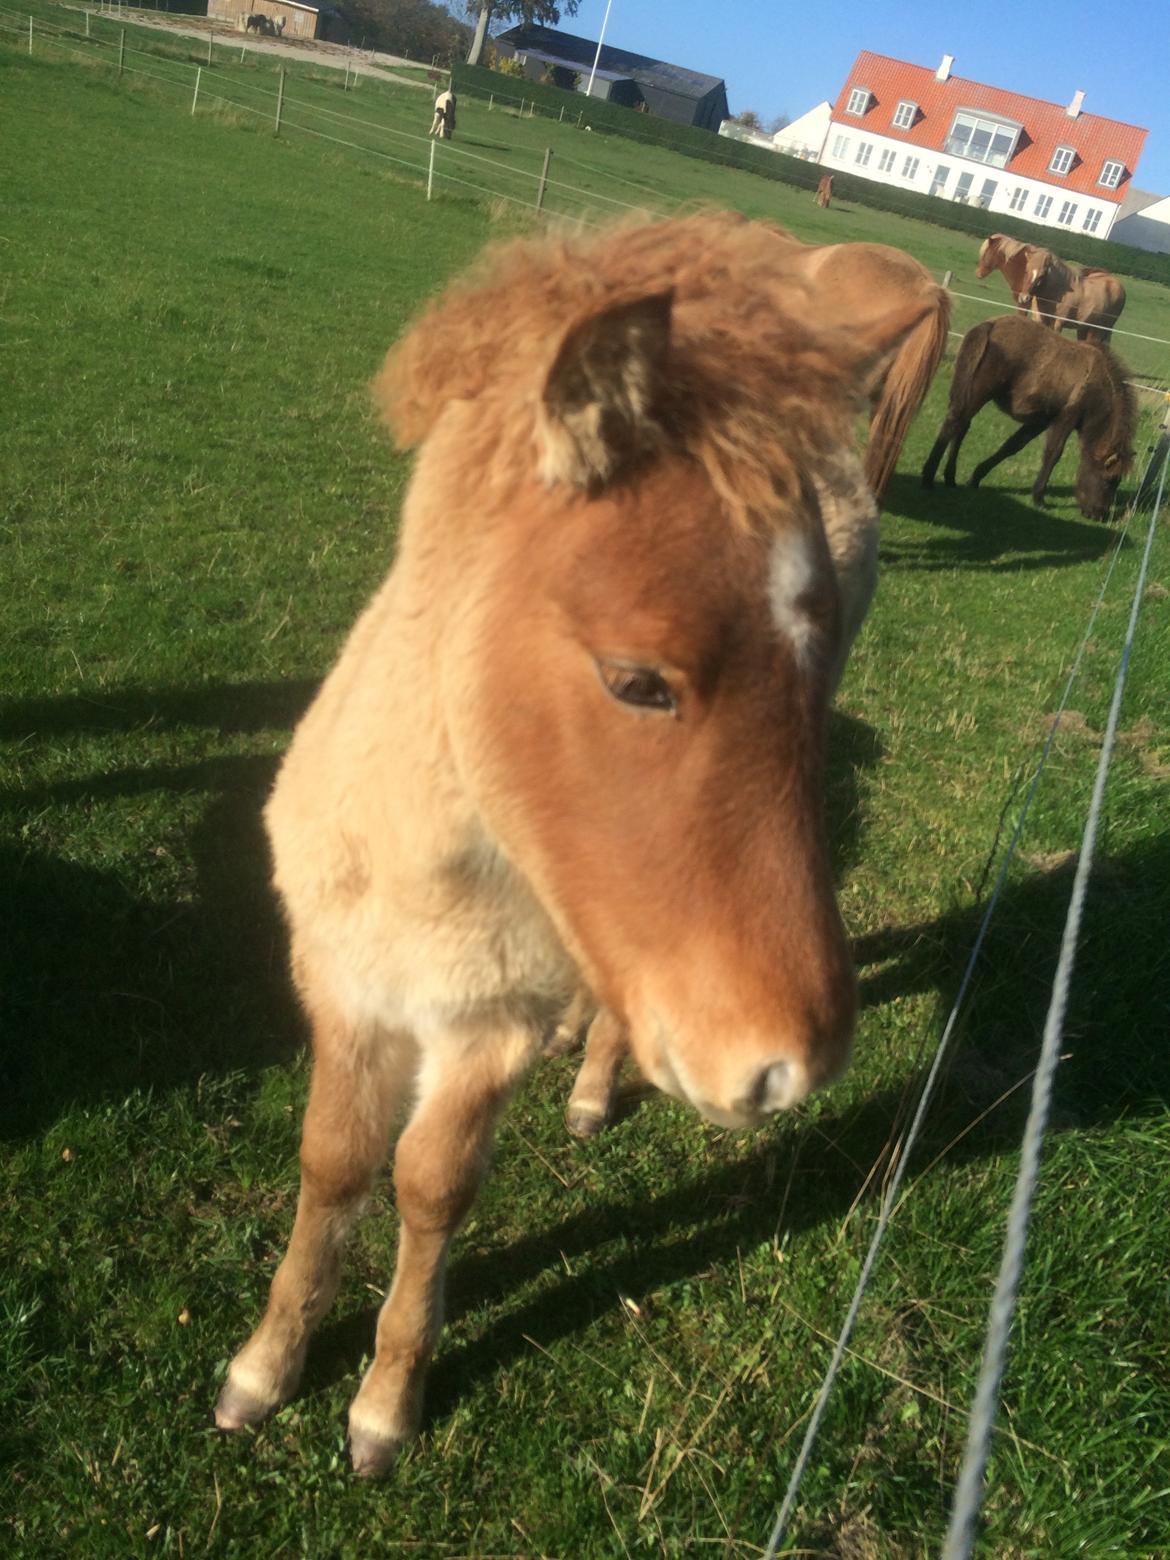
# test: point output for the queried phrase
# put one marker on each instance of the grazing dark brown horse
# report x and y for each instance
(1045, 383)
(577, 734)
(1052, 292)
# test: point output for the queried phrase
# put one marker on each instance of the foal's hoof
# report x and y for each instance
(585, 1122)
(236, 1408)
(372, 1455)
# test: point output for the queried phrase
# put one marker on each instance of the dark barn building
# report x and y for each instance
(633, 80)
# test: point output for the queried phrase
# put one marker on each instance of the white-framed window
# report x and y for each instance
(982, 138)
(1062, 160)
(986, 190)
(858, 100)
(840, 145)
(1092, 219)
(905, 115)
(864, 151)
(939, 182)
(1111, 174)
(963, 187)
(1019, 199)
(1068, 211)
(887, 160)
(910, 168)
(1043, 206)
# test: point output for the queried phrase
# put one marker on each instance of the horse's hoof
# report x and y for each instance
(584, 1122)
(236, 1408)
(563, 1041)
(372, 1455)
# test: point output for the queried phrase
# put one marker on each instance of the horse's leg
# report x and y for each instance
(358, 1078)
(438, 1166)
(953, 432)
(566, 1036)
(1014, 441)
(591, 1102)
(1053, 449)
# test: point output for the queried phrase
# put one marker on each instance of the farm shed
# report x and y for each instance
(301, 20)
(633, 80)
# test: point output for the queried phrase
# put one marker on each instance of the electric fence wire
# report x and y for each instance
(890, 1200)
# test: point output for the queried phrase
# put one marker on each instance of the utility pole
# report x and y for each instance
(600, 41)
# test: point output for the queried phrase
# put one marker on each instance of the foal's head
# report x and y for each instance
(638, 661)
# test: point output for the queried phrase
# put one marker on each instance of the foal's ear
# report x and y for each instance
(598, 409)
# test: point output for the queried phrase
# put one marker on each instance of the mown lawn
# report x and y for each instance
(195, 501)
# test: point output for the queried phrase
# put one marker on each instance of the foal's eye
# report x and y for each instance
(638, 685)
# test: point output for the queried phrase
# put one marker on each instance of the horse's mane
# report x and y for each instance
(753, 389)
(1117, 434)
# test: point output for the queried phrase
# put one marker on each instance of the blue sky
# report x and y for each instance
(782, 58)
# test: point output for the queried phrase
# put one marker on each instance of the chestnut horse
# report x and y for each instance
(824, 193)
(1051, 291)
(1044, 382)
(577, 736)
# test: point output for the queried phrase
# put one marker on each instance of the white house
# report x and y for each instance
(938, 133)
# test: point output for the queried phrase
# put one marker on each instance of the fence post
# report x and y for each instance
(209, 48)
(87, 24)
(948, 278)
(121, 49)
(561, 115)
(540, 188)
(30, 35)
(431, 168)
(241, 53)
(579, 119)
(279, 101)
(491, 100)
(198, 74)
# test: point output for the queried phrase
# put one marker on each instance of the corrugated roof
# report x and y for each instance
(566, 48)
(1046, 125)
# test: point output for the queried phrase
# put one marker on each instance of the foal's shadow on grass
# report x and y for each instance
(809, 1169)
(110, 985)
(998, 532)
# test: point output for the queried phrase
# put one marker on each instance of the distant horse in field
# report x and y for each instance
(1052, 292)
(1044, 382)
(576, 737)
(825, 191)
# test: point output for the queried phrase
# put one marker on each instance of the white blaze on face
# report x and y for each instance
(791, 573)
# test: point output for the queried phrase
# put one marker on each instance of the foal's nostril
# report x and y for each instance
(774, 1089)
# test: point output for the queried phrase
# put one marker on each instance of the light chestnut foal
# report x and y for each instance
(576, 739)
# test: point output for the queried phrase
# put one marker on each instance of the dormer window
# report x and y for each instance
(859, 100)
(905, 114)
(1111, 175)
(982, 138)
(1062, 159)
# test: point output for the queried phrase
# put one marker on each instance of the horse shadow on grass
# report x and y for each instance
(810, 1168)
(109, 989)
(994, 531)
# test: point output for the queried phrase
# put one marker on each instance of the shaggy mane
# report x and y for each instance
(753, 393)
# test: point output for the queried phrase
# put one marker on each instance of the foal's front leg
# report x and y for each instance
(438, 1166)
(1010, 446)
(358, 1077)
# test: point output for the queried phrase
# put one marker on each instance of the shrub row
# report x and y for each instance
(478, 81)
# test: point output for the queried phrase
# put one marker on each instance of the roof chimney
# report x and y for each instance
(1074, 108)
(943, 73)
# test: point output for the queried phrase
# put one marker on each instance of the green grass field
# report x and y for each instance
(195, 501)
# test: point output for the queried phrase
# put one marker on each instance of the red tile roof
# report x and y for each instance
(1046, 125)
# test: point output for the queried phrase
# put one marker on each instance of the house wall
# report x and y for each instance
(298, 23)
(914, 168)
(805, 137)
(1147, 229)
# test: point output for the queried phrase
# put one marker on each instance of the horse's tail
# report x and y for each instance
(902, 393)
